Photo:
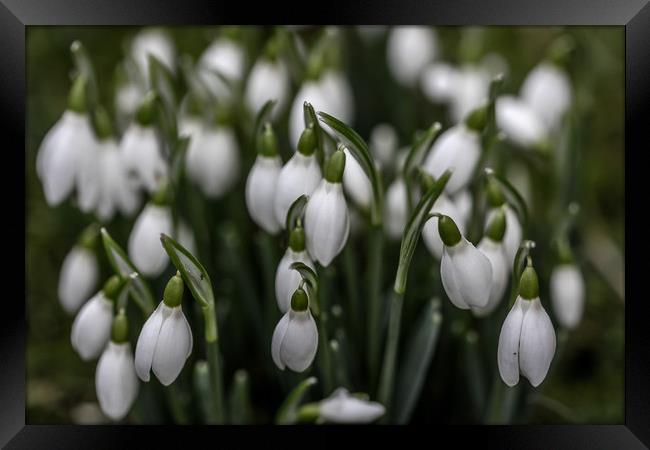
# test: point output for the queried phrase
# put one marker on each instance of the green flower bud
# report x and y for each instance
(268, 143)
(120, 328)
(77, 98)
(102, 123)
(335, 167)
(88, 236)
(315, 66)
(173, 294)
(299, 300)
(494, 196)
(564, 252)
(497, 226)
(529, 284)
(112, 287)
(272, 49)
(147, 110)
(297, 239)
(307, 142)
(223, 115)
(477, 119)
(449, 232)
(163, 195)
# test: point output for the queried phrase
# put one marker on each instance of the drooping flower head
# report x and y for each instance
(409, 49)
(288, 280)
(342, 407)
(79, 272)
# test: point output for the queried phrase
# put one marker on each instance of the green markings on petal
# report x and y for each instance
(496, 229)
(335, 166)
(529, 284)
(299, 300)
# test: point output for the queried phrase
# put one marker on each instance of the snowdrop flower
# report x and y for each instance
(154, 42)
(141, 150)
(383, 144)
(212, 160)
(568, 294)
(396, 210)
(295, 339)
(547, 90)
(92, 325)
(471, 91)
(78, 277)
(300, 175)
(288, 280)
(116, 382)
(341, 407)
(464, 202)
(519, 122)
(527, 339)
(443, 205)
(465, 271)
(514, 233)
(165, 341)
(226, 57)
(327, 223)
(492, 246)
(409, 49)
(262, 182)
(458, 148)
(268, 80)
(438, 82)
(67, 151)
(127, 99)
(355, 182)
(144, 246)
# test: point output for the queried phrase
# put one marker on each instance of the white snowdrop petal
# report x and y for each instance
(146, 345)
(226, 57)
(91, 328)
(472, 90)
(276, 340)
(463, 203)
(537, 343)
(519, 122)
(568, 294)
(495, 253)
(300, 175)
(513, 235)
(383, 143)
(442, 205)
(449, 282)
(260, 192)
(116, 382)
(287, 280)
(145, 249)
(341, 407)
(173, 346)
(78, 278)
(409, 49)
(508, 347)
(154, 42)
(472, 272)
(300, 341)
(396, 210)
(547, 90)
(268, 80)
(355, 181)
(141, 155)
(438, 82)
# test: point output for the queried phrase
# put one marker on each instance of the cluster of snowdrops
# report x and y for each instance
(131, 163)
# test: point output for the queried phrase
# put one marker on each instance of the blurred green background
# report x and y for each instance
(586, 380)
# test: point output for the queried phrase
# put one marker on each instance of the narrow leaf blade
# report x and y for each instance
(296, 211)
(287, 414)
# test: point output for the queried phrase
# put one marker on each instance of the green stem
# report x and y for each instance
(375, 248)
(351, 282)
(269, 265)
(176, 405)
(325, 361)
(214, 362)
(386, 383)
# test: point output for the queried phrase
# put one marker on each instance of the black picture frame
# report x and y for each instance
(633, 15)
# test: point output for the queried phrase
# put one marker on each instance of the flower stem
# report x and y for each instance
(176, 405)
(386, 383)
(375, 248)
(325, 357)
(352, 285)
(214, 362)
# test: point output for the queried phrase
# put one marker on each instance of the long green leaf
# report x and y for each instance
(489, 135)
(414, 229)
(123, 267)
(359, 150)
(260, 119)
(288, 412)
(296, 211)
(418, 149)
(240, 407)
(421, 347)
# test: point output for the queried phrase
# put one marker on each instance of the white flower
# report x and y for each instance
(226, 57)
(87, 176)
(547, 90)
(383, 144)
(127, 99)
(300, 175)
(92, 327)
(142, 157)
(396, 209)
(495, 253)
(327, 223)
(409, 49)
(457, 149)
(116, 189)
(439, 82)
(261, 187)
(519, 122)
(341, 407)
(268, 80)
(355, 182)
(471, 91)
(288, 280)
(212, 160)
(154, 42)
(336, 87)
(115, 380)
(567, 294)
(443, 205)
(164, 344)
(65, 151)
(514, 233)
(145, 249)
(526, 343)
(78, 278)
(464, 202)
(295, 341)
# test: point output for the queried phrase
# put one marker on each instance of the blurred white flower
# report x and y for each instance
(409, 49)
(396, 208)
(547, 90)
(141, 154)
(154, 42)
(520, 123)
(91, 328)
(164, 344)
(145, 249)
(568, 294)
(443, 205)
(464, 203)
(288, 280)
(457, 149)
(78, 277)
(268, 80)
(514, 233)
(383, 144)
(495, 253)
(212, 160)
(261, 187)
(341, 407)
(226, 57)
(356, 183)
(295, 339)
(115, 380)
